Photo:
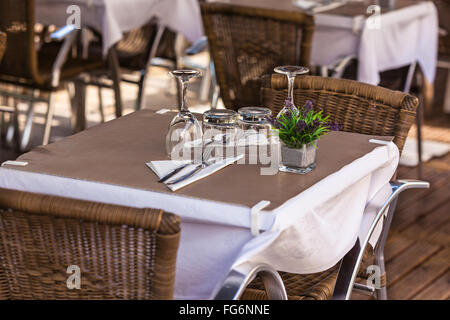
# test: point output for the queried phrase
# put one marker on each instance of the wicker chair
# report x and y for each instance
(360, 108)
(246, 43)
(122, 252)
(25, 67)
(136, 52)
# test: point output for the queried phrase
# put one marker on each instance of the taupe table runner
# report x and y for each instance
(116, 152)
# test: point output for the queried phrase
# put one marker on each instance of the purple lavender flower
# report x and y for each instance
(314, 125)
(309, 105)
(273, 121)
(334, 126)
(288, 104)
(300, 126)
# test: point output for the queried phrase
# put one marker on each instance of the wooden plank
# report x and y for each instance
(441, 236)
(404, 218)
(433, 176)
(401, 265)
(395, 244)
(438, 290)
(430, 223)
(420, 277)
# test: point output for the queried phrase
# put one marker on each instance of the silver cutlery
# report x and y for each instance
(205, 157)
(173, 172)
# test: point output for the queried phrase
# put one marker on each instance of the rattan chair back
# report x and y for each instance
(122, 252)
(356, 106)
(246, 43)
(20, 60)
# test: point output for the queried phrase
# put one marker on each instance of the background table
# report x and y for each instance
(114, 17)
(407, 34)
(308, 228)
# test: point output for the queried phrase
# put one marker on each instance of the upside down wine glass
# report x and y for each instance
(290, 72)
(184, 128)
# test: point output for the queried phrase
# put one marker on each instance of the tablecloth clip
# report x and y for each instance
(14, 163)
(389, 144)
(254, 216)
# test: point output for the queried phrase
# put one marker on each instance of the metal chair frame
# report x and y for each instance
(352, 261)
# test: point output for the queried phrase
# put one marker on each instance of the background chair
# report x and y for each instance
(31, 71)
(122, 252)
(360, 108)
(246, 43)
(357, 107)
(136, 52)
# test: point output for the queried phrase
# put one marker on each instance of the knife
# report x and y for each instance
(187, 175)
(173, 172)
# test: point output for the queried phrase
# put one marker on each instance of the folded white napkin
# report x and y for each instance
(161, 168)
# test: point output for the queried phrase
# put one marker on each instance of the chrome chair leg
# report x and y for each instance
(140, 101)
(100, 105)
(48, 120)
(26, 134)
(419, 121)
(116, 77)
(381, 293)
(344, 282)
(419, 115)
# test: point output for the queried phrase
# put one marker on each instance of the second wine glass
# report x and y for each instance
(184, 129)
(290, 72)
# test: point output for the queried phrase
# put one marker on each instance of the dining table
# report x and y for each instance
(380, 39)
(308, 225)
(112, 18)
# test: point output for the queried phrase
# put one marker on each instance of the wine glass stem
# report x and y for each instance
(184, 85)
(291, 79)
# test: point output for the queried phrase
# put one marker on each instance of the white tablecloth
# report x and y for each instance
(309, 233)
(114, 17)
(406, 35)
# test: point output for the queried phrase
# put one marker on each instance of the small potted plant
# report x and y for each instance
(299, 130)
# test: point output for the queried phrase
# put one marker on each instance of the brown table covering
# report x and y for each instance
(350, 9)
(116, 152)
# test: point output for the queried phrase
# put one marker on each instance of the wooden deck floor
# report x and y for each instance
(418, 247)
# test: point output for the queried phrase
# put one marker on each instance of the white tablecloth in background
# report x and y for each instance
(406, 35)
(309, 233)
(114, 17)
